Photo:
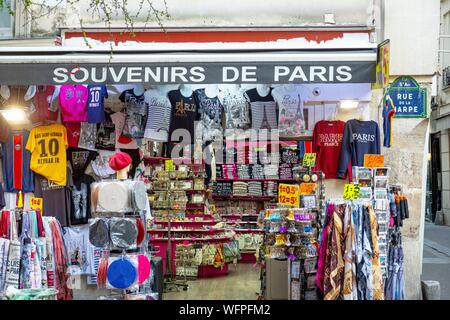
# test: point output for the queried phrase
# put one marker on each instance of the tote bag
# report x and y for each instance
(13, 265)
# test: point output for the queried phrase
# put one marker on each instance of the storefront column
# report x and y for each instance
(445, 167)
(408, 161)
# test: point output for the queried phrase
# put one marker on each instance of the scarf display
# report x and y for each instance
(349, 262)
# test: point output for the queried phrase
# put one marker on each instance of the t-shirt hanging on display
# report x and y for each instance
(122, 142)
(42, 108)
(88, 136)
(210, 112)
(237, 109)
(16, 172)
(48, 145)
(73, 100)
(106, 135)
(291, 122)
(79, 160)
(184, 114)
(76, 240)
(360, 137)
(100, 165)
(327, 141)
(159, 114)
(136, 114)
(264, 110)
(73, 133)
(56, 198)
(81, 204)
(96, 103)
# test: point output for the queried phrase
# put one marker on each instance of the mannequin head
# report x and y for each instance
(121, 163)
(122, 174)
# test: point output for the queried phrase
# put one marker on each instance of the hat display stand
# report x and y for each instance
(119, 207)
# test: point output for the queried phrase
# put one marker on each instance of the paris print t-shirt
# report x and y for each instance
(48, 145)
(263, 110)
(291, 122)
(184, 114)
(327, 141)
(210, 112)
(236, 108)
(136, 114)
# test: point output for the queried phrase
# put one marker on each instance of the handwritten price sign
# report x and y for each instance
(307, 188)
(309, 160)
(351, 191)
(36, 203)
(288, 194)
(373, 160)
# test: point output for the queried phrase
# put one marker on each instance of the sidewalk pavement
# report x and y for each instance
(436, 257)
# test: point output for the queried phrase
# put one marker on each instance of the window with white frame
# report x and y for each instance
(6, 20)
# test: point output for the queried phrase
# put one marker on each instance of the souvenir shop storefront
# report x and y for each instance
(214, 174)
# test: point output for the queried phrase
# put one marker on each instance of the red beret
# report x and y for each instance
(119, 160)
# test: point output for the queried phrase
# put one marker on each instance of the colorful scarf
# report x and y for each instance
(323, 250)
(349, 290)
(333, 283)
(378, 291)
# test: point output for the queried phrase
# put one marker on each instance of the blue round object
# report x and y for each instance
(122, 273)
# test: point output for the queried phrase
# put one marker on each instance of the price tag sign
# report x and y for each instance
(373, 160)
(168, 165)
(307, 188)
(351, 191)
(288, 194)
(36, 203)
(309, 160)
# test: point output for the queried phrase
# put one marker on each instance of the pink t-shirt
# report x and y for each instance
(73, 100)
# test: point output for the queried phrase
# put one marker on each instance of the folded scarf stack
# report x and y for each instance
(286, 171)
(257, 171)
(255, 188)
(271, 171)
(243, 171)
(270, 188)
(223, 189)
(240, 189)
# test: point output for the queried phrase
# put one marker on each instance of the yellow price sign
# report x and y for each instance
(351, 191)
(168, 165)
(309, 160)
(36, 204)
(288, 194)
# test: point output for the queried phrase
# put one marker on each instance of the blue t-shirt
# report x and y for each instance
(96, 100)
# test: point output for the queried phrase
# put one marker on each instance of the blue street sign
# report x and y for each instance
(410, 100)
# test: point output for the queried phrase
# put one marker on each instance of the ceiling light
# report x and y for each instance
(14, 115)
(349, 104)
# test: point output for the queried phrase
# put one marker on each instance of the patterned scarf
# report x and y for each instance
(378, 291)
(349, 290)
(323, 250)
(333, 281)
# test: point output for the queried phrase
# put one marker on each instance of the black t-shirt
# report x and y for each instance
(56, 199)
(106, 135)
(184, 114)
(81, 199)
(80, 159)
(136, 114)
(210, 114)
